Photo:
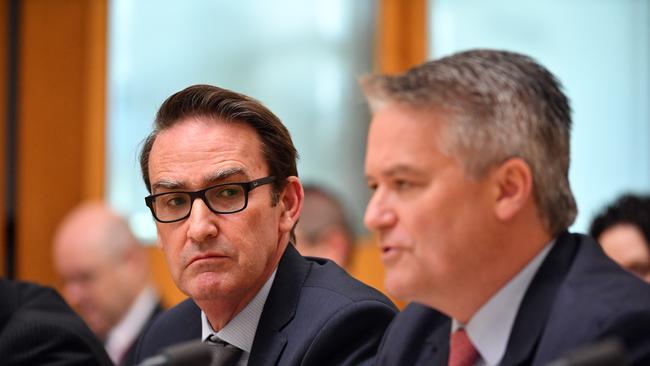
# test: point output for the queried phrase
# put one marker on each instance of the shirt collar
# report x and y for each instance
(240, 330)
(489, 329)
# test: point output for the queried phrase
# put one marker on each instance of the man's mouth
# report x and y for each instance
(206, 257)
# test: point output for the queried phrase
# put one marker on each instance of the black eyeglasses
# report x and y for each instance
(224, 198)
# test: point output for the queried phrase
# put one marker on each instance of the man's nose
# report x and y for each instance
(201, 223)
(379, 213)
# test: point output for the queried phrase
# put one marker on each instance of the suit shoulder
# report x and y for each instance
(415, 322)
(328, 279)
(413, 334)
(596, 299)
(602, 284)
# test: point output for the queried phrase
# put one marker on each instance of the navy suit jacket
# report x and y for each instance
(38, 328)
(577, 297)
(315, 314)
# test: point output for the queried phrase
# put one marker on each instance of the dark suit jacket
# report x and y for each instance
(38, 328)
(578, 296)
(129, 357)
(315, 314)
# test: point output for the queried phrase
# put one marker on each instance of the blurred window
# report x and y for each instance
(300, 58)
(600, 51)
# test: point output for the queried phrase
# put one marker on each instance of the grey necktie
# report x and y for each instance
(225, 354)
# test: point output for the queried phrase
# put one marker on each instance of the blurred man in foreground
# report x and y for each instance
(468, 160)
(105, 275)
(225, 194)
(623, 230)
(38, 328)
(323, 230)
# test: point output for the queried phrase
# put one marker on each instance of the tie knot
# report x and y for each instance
(225, 354)
(461, 349)
(213, 339)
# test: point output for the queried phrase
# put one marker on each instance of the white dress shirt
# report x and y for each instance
(240, 330)
(489, 329)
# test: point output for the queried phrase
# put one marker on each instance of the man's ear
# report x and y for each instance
(514, 181)
(291, 201)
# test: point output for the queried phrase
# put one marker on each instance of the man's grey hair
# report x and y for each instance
(495, 105)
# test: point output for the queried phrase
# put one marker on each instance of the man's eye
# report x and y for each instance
(175, 201)
(402, 184)
(228, 192)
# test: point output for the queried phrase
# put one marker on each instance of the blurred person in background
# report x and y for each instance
(323, 230)
(105, 276)
(623, 230)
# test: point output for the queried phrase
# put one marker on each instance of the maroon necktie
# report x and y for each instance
(461, 350)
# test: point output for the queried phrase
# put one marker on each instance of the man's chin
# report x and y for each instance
(206, 288)
(397, 287)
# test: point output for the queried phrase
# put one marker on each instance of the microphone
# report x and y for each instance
(608, 352)
(192, 353)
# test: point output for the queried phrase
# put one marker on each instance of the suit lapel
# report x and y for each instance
(436, 350)
(538, 301)
(190, 329)
(280, 308)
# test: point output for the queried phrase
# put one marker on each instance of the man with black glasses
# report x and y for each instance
(221, 170)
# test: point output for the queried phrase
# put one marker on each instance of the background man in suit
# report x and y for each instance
(38, 328)
(623, 230)
(323, 230)
(105, 275)
(222, 172)
(468, 160)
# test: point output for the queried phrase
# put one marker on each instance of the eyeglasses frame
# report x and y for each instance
(247, 186)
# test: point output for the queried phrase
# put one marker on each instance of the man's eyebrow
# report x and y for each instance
(222, 175)
(400, 169)
(214, 178)
(167, 184)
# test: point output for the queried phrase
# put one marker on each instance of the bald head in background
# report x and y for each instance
(323, 230)
(104, 272)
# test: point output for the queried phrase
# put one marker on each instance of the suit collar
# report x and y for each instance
(190, 328)
(436, 351)
(280, 307)
(538, 301)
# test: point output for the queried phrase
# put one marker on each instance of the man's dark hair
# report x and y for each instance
(628, 209)
(215, 103)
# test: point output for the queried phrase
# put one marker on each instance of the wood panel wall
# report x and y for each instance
(4, 24)
(401, 35)
(61, 122)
